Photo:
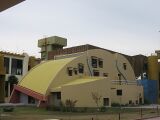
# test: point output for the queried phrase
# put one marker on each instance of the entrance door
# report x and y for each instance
(56, 98)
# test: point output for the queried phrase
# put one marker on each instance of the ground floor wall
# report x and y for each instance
(127, 94)
(83, 93)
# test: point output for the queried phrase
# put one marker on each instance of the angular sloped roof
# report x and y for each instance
(78, 81)
(41, 76)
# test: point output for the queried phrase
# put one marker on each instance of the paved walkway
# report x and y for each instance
(158, 118)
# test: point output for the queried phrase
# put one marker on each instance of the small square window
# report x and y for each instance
(124, 66)
(75, 71)
(95, 72)
(105, 74)
(69, 70)
(80, 68)
(100, 62)
(94, 62)
(119, 92)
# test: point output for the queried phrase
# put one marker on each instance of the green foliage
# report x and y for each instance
(115, 105)
(103, 109)
(70, 105)
(12, 79)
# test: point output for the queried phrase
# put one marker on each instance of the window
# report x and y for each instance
(95, 72)
(105, 101)
(105, 74)
(75, 71)
(31, 100)
(80, 68)
(124, 66)
(6, 64)
(17, 67)
(69, 69)
(100, 62)
(94, 62)
(58, 95)
(130, 101)
(119, 92)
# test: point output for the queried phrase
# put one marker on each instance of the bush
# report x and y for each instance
(8, 109)
(115, 105)
(103, 109)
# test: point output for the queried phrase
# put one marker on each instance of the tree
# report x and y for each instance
(12, 80)
(70, 104)
(96, 97)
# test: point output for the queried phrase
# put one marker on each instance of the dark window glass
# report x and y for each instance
(17, 67)
(75, 71)
(105, 101)
(124, 66)
(119, 92)
(95, 72)
(80, 68)
(69, 71)
(130, 101)
(31, 100)
(6, 64)
(94, 62)
(58, 95)
(100, 62)
(105, 74)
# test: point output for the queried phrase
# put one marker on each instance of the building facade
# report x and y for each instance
(76, 76)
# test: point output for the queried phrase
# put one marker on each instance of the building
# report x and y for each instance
(15, 66)
(5, 4)
(76, 76)
(2, 79)
(153, 70)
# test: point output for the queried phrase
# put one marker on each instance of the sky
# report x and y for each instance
(127, 26)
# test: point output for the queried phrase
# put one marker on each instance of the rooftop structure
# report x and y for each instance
(51, 43)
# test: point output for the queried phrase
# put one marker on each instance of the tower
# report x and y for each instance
(51, 44)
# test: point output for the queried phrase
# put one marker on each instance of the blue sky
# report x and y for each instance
(127, 26)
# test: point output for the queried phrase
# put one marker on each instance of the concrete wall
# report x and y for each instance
(129, 92)
(83, 93)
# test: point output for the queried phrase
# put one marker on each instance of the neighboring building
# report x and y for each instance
(5, 4)
(2, 79)
(15, 65)
(75, 76)
(153, 70)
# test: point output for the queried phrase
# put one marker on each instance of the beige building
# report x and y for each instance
(76, 77)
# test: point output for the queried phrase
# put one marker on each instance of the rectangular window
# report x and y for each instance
(124, 66)
(69, 70)
(80, 68)
(6, 64)
(130, 101)
(105, 74)
(100, 62)
(75, 71)
(94, 62)
(119, 92)
(58, 95)
(105, 101)
(95, 72)
(17, 67)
